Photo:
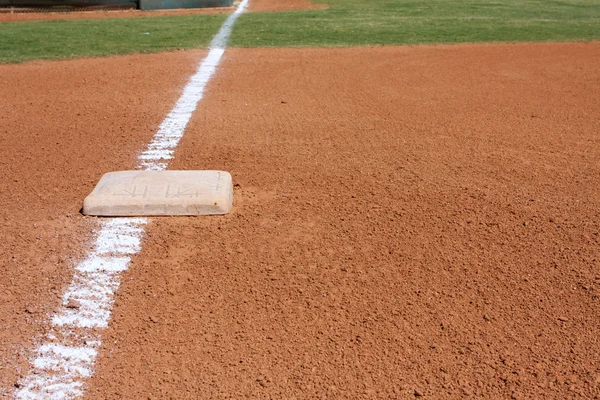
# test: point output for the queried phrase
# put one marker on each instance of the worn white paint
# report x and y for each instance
(65, 359)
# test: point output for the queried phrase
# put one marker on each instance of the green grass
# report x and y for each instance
(387, 22)
(344, 23)
(23, 41)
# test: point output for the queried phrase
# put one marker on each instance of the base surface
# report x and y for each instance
(155, 193)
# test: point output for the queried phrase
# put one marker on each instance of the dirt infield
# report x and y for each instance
(255, 5)
(63, 124)
(283, 5)
(7, 17)
(408, 221)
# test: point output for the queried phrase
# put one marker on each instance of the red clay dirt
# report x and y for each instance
(38, 16)
(62, 125)
(408, 222)
(283, 5)
(255, 5)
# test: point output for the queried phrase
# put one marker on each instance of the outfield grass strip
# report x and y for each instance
(399, 22)
(44, 40)
(342, 23)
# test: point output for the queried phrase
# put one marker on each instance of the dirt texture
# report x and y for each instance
(63, 124)
(255, 5)
(408, 222)
(283, 5)
(39, 16)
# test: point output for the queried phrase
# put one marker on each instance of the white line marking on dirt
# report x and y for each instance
(161, 149)
(67, 356)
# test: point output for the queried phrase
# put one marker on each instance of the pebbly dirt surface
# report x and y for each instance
(255, 5)
(39, 16)
(408, 222)
(63, 124)
(283, 5)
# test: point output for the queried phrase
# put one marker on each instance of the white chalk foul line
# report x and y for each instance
(67, 355)
(158, 153)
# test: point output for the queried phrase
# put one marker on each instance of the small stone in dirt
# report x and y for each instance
(261, 381)
(73, 304)
(418, 393)
(153, 319)
(563, 319)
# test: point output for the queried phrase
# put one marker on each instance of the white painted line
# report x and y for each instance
(67, 356)
(65, 359)
(161, 149)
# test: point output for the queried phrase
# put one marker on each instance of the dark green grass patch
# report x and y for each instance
(386, 22)
(23, 41)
